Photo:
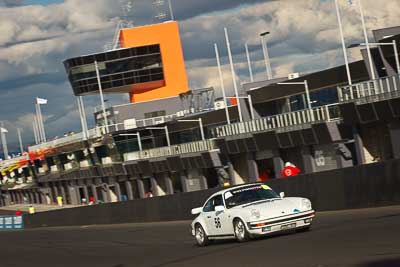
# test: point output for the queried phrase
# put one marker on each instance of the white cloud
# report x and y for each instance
(34, 40)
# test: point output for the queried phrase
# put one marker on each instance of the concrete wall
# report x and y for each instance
(355, 187)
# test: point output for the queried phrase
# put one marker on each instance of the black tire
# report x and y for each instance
(241, 233)
(200, 236)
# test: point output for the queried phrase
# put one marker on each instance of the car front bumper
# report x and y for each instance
(297, 221)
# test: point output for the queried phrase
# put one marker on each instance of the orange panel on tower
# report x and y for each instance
(166, 35)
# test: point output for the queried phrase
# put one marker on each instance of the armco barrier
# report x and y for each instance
(363, 186)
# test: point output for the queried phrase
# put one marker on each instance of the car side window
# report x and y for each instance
(212, 203)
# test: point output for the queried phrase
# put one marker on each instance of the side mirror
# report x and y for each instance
(219, 208)
(282, 194)
(196, 211)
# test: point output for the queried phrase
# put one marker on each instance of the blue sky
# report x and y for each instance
(35, 39)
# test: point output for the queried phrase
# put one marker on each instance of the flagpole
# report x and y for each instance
(42, 123)
(39, 129)
(103, 106)
(228, 45)
(84, 117)
(78, 100)
(4, 141)
(35, 134)
(21, 146)
(221, 79)
(249, 62)
(346, 60)
(371, 63)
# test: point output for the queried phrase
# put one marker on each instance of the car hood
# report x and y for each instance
(274, 208)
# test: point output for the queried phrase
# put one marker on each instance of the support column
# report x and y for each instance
(155, 187)
(63, 194)
(394, 131)
(168, 184)
(359, 146)
(344, 158)
(184, 182)
(140, 186)
(252, 168)
(129, 190)
(278, 166)
(13, 197)
(73, 195)
(118, 191)
(308, 160)
(105, 191)
(86, 193)
(94, 191)
(203, 180)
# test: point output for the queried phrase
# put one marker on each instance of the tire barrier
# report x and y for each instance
(362, 186)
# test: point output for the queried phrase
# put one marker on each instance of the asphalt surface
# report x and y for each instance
(360, 238)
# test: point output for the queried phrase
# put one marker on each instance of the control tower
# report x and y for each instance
(148, 66)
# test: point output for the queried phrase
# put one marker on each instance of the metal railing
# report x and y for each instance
(96, 132)
(193, 147)
(290, 119)
(371, 91)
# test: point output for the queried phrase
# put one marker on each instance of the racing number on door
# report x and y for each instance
(217, 222)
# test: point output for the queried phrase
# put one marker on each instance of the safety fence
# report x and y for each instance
(371, 91)
(324, 113)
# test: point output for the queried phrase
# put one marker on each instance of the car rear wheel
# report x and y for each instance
(241, 233)
(201, 236)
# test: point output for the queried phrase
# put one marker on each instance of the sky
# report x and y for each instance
(37, 36)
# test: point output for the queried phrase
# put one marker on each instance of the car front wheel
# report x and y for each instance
(241, 233)
(201, 236)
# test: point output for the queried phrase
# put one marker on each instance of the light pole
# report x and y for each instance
(249, 62)
(221, 78)
(346, 60)
(233, 74)
(371, 62)
(200, 121)
(35, 133)
(138, 137)
(250, 104)
(171, 11)
(21, 146)
(395, 50)
(3, 132)
(165, 128)
(266, 54)
(42, 132)
(82, 115)
(307, 91)
(103, 106)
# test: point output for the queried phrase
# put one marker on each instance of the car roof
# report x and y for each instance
(233, 187)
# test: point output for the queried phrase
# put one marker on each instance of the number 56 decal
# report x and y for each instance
(217, 222)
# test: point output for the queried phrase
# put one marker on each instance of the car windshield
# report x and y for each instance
(246, 195)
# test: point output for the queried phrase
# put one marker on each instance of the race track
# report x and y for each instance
(359, 238)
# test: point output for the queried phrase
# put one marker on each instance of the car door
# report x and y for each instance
(217, 222)
(208, 215)
(222, 219)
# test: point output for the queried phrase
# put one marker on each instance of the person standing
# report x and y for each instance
(290, 170)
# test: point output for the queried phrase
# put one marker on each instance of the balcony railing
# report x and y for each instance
(193, 147)
(371, 91)
(280, 121)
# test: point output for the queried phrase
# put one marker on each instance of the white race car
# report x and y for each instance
(249, 210)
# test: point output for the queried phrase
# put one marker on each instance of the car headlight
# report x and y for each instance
(306, 204)
(255, 213)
